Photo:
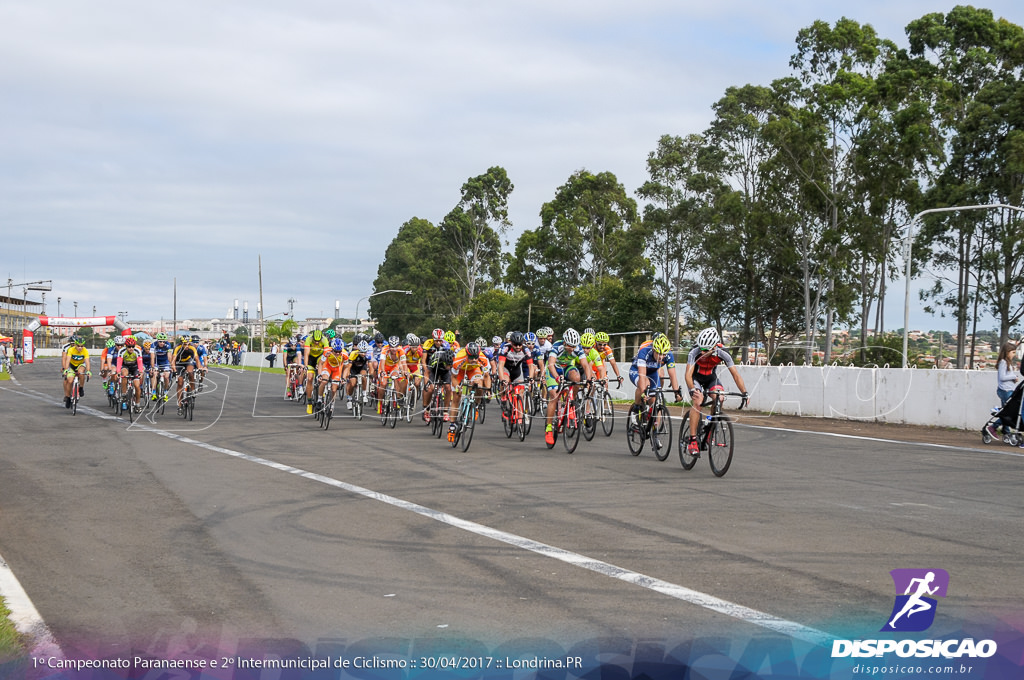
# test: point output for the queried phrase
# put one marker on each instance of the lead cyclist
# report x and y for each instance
(701, 366)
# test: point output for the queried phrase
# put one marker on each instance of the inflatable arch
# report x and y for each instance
(27, 339)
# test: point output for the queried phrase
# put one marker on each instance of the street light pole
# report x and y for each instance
(392, 290)
(910, 241)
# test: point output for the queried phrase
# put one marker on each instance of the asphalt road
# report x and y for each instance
(252, 523)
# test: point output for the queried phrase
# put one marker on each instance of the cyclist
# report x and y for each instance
(75, 361)
(147, 362)
(129, 365)
(107, 357)
(356, 367)
(471, 364)
(645, 368)
(392, 364)
(160, 351)
(315, 345)
(414, 358)
(701, 366)
(331, 367)
(440, 362)
(569, 363)
(431, 346)
(183, 362)
(201, 353)
(514, 365)
(293, 365)
(601, 343)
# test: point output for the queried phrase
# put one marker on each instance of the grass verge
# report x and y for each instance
(12, 643)
(260, 369)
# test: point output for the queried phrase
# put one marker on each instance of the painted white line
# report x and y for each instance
(25, 616)
(715, 604)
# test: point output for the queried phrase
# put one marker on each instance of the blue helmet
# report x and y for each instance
(338, 345)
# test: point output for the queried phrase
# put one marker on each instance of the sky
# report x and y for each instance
(146, 146)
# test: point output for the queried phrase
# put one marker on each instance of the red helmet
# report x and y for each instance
(129, 341)
(438, 334)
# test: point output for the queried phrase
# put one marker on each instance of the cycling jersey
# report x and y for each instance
(185, 354)
(705, 363)
(130, 358)
(645, 357)
(467, 362)
(77, 356)
(515, 357)
(162, 349)
(316, 349)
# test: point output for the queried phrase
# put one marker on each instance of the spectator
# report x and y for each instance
(1007, 378)
(272, 357)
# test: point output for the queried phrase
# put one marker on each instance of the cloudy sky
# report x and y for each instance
(143, 142)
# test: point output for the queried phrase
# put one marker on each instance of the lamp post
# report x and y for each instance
(381, 292)
(910, 240)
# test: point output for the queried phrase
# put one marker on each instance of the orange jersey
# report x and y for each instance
(390, 361)
(464, 361)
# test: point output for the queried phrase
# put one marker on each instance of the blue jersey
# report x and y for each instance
(162, 349)
(645, 357)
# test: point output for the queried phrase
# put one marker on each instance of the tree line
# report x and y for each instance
(782, 220)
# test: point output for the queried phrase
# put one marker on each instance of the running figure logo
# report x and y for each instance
(914, 610)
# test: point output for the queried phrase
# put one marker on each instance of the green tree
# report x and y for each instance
(472, 231)
(416, 260)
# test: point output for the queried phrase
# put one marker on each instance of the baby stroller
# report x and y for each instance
(1007, 419)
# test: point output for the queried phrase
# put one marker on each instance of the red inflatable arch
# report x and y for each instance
(27, 339)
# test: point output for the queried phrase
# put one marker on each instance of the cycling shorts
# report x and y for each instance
(653, 376)
(329, 372)
(468, 374)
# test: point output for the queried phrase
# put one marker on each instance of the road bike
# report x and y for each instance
(714, 434)
(650, 421)
(76, 393)
(598, 408)
(516, 410)
(436, 409)
(461, 429)
(567, 421)
(327, 409)
(187, 406)
(391, 405)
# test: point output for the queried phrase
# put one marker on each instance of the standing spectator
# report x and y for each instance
(241, 353)
(1006, 376)
(272, 357)
(17, 354)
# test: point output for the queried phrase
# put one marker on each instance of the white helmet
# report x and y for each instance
(571, 337)
(708, 339)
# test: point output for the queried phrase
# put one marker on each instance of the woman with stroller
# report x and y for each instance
(1006, 375)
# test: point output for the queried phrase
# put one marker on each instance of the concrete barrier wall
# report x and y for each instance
(944, 398)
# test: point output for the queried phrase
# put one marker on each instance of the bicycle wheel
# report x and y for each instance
(394, 410)
(455, 429)
(686, 459)
(573, 425)
(509, 416)
(470, 425)
(481, 411)
(589, 418)
(190, 405)
(607, 414)
(408, 402)
(357, 402)
(661, 433)
(329, 412)
(131, 403)
(525, 414)
(720, 445)
(635, 434)
(519, 415)
(74, 397)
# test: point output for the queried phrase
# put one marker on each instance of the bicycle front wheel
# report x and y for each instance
(634, 431)
(686, 459)
(469, 426)
(589, 418)
(607, 414)
(661, 433)
(392, 411)
(720, 445)
(573, 425)
(508, 415)
(131, 403)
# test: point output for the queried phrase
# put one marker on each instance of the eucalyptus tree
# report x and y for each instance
(961, 57)
(678, 220)
(472, 231)
(829, 104)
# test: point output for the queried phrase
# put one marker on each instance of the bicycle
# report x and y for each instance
(714, 434)
(76, 393)
(516, 410)
(437, 409)
(187, 406)
(161, 392)
(390, 407)
(461, 429)
(358, 397)
(650, 421)
(327, 410)
(567, 421)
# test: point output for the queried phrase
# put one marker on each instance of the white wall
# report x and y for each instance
(944, 398)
